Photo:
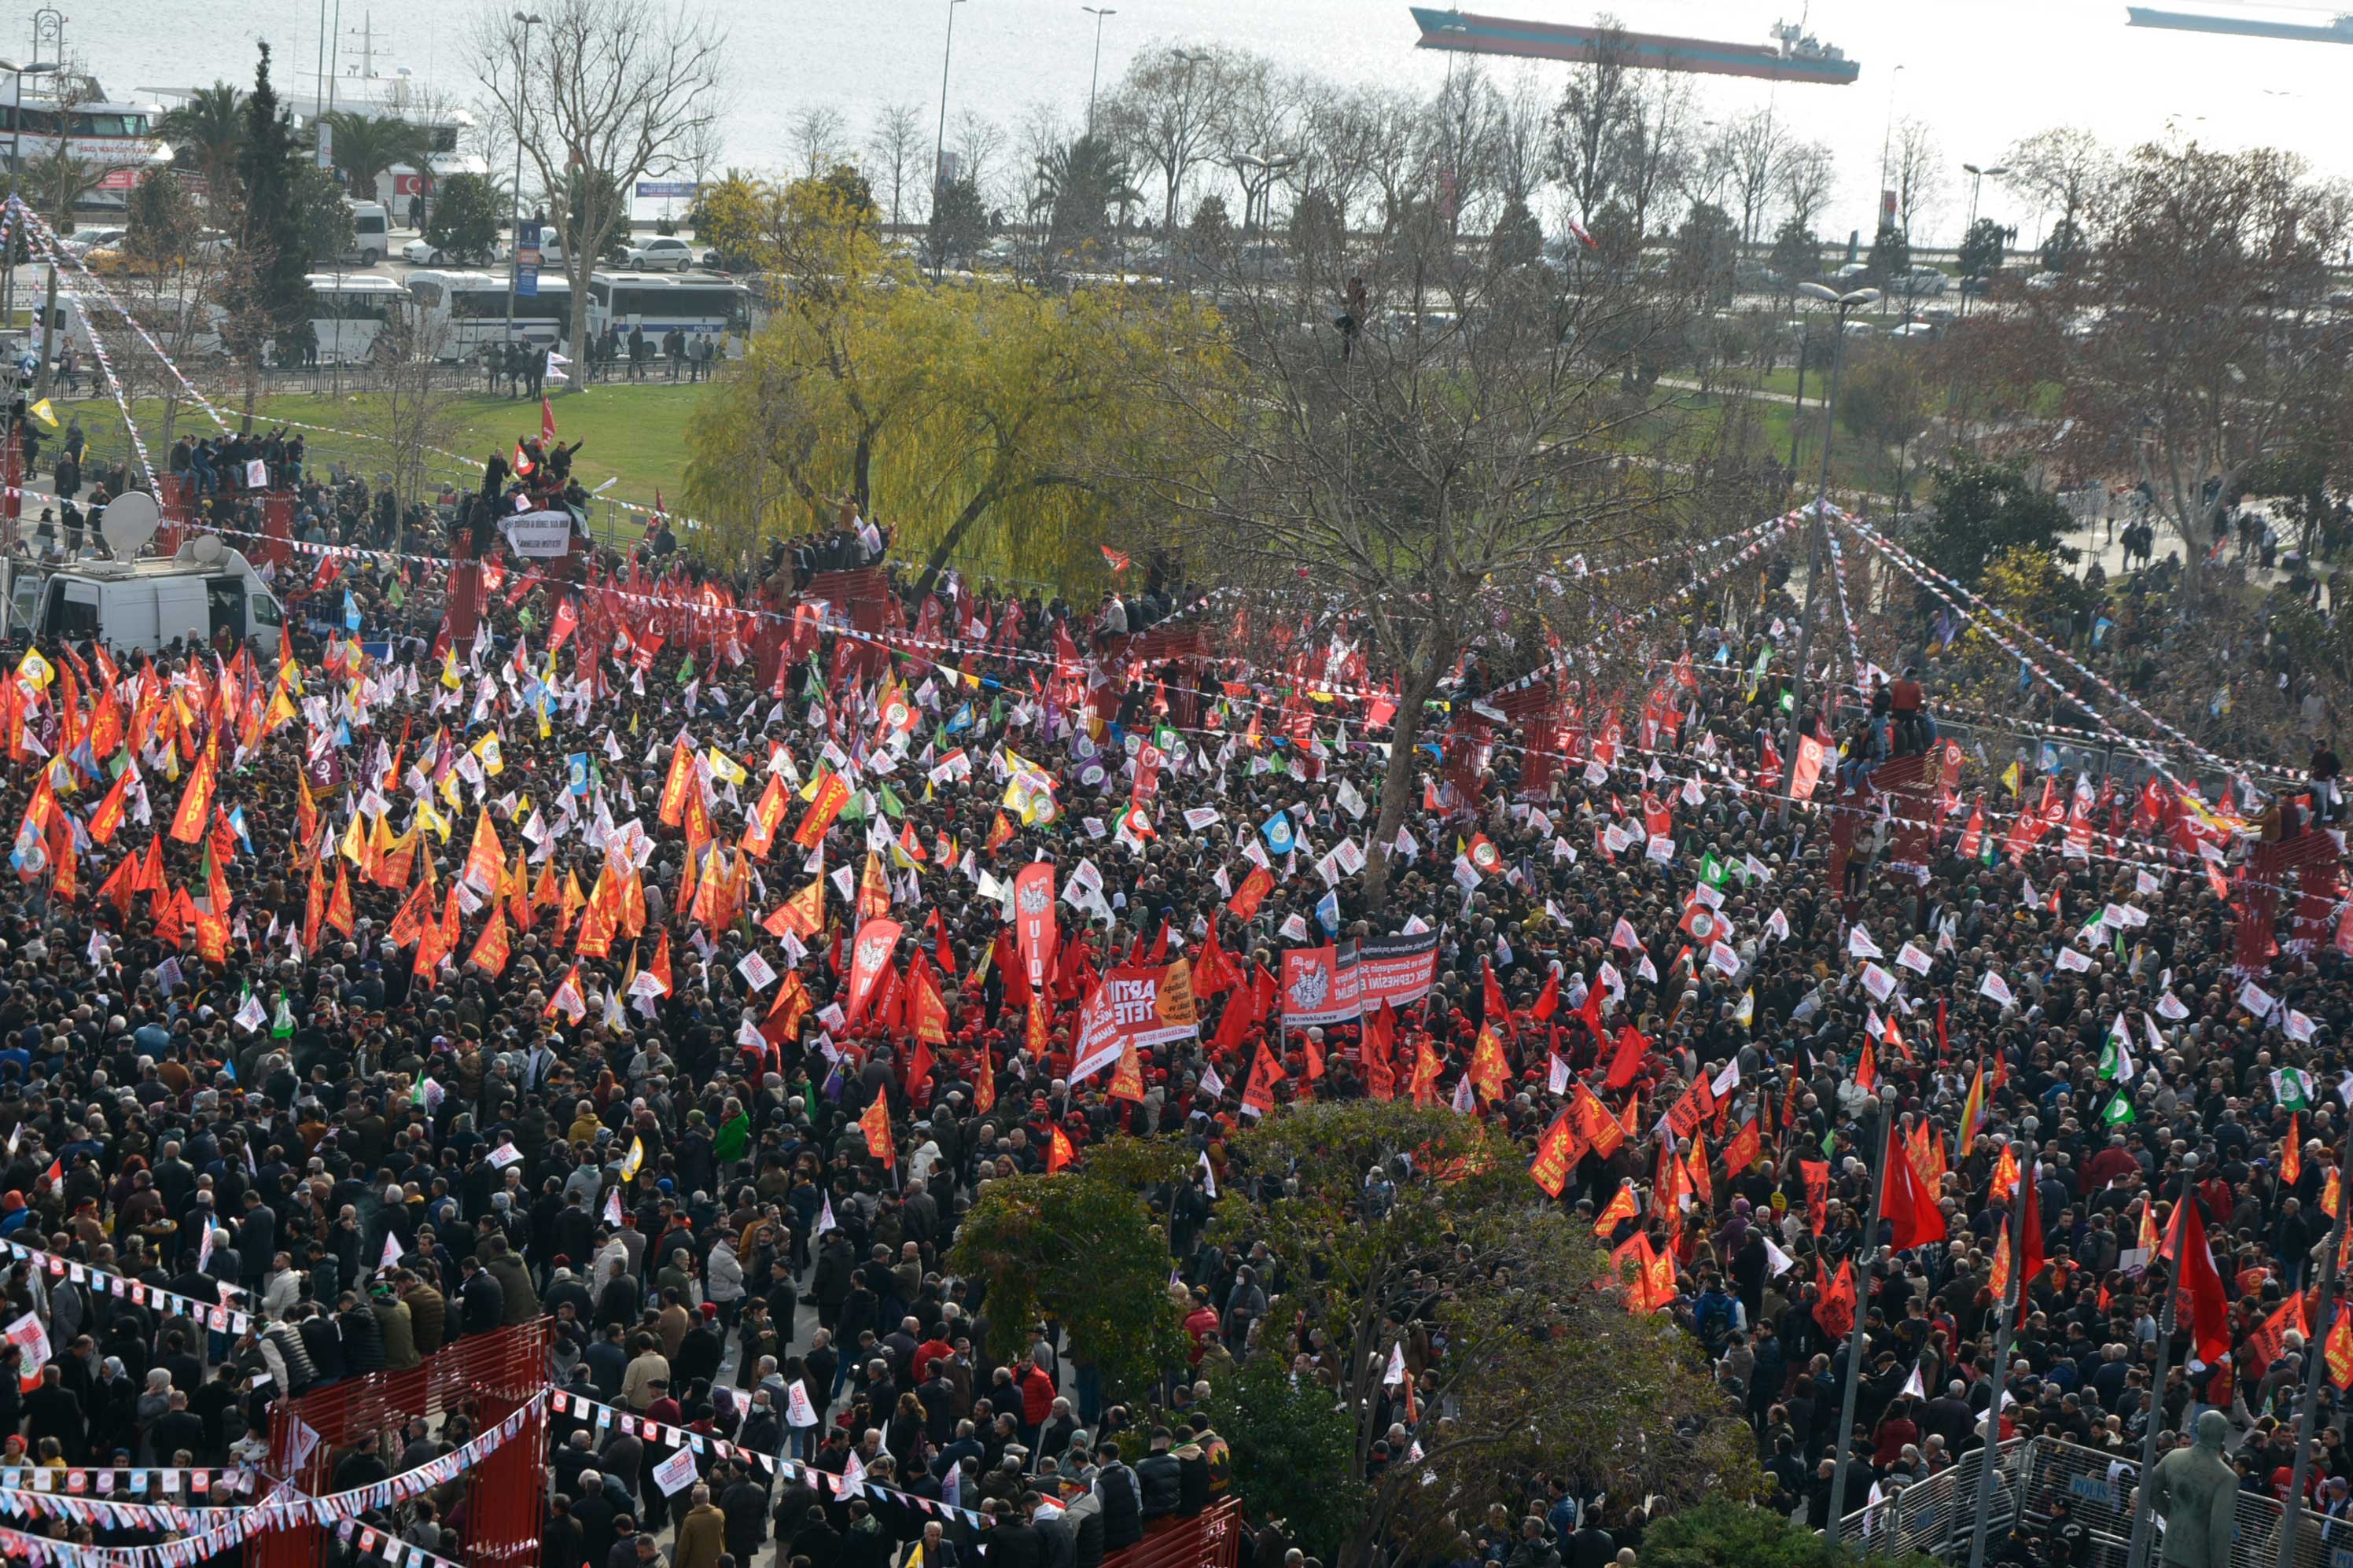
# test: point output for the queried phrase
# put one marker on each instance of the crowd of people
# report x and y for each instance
(256, 1096)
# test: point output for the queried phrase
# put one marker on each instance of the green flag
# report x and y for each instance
(890, 806)
(2119, 1110)
(1711, 870)
(2292, 1087)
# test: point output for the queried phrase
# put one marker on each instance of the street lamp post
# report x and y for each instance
(940, 142)
(1977, 183)
(1854, 300)
(523, 100)
(1257, 198)
(1189, 58)
(1095, 76)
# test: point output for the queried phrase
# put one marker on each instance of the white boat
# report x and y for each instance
(117, 135)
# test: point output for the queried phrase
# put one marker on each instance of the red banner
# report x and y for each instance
(869, 959)
(1320, 986)
(1033, 917)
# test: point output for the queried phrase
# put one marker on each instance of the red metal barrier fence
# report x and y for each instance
(1212, 1540)
(484, 1377)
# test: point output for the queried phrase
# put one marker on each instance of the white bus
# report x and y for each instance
(698, 306)
(350, 310)
(460, 313)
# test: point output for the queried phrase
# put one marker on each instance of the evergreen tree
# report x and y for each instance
(270, 294)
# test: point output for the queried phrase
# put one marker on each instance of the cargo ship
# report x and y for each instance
(1793, 55)
(2338, 29)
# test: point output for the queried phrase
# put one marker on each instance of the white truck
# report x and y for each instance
(207, 592)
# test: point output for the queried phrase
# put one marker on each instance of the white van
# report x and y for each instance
(371, 234)
(206, 591)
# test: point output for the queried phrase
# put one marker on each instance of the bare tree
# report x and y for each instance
(615, 91)
(1164, 113)
(1654, 146)
(1805, 176)
(895, 143)
(412, 409)
(977, 140)
(1386, 120)
(1464, 126)
(1591, 118)
(2063, 171)
(1752, 145)
(818, 134)
(1523, 137)
(1919, 173)
(1258, 125)
(2213, 269)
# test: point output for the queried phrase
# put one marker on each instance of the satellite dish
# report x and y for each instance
(128, 522)
(207, 549)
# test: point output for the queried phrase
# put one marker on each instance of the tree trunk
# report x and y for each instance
(1397, 780)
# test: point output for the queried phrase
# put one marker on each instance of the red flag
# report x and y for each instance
(1911, 1206)
(546, 420)
(2202, 1285)
(1548, 999)
(1059, 1152)
(1498, 1012)
(1629, 1060)
(876, 1123)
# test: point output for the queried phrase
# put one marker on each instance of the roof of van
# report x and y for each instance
(182, 564)
(365, 281)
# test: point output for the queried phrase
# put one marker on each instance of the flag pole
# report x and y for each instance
(2137, 1550)
(1855, 1335)
(2315, 1358)
(2012, 1296)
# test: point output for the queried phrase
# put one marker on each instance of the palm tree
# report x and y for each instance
(1077, 184)
(368, 144)
(207, 134)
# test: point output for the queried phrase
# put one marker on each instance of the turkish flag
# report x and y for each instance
(1911, 1206)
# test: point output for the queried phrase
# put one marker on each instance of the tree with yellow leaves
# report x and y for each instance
(979, 419)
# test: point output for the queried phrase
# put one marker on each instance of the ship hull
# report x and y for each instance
(1460, 33)
(2240, 26)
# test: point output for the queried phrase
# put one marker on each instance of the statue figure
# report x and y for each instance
(2196, 1492)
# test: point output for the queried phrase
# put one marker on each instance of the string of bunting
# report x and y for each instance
(106, 1282)
(182, 1551)
(1938, 584)
(385, 1547)
(336, 1506)
(847, 1485)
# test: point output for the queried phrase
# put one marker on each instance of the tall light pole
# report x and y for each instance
(1977, 183)
(1856, 300)
(1187, 59)
(1886, 139)
(2332, 1301)
(1891, 1148)
(940, 142)
(1095, 76)
(2006, 1306)
(523, 99)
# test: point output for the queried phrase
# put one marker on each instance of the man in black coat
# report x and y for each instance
(746, 1504)
(562, 1542)
(50, 1411)
(595, 1510)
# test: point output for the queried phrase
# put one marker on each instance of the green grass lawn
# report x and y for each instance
(637, 433)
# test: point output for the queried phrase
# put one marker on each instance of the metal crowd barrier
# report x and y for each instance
(1936, 1515)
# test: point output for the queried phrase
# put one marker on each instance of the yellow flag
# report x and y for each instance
(636, 1157)
(44, 413)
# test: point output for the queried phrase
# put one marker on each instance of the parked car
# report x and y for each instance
(659, 253)
(424, 253)
(82, 241)
(1914, 330)
(1924, 282)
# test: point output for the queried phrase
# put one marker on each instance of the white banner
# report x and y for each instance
(541, 534)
